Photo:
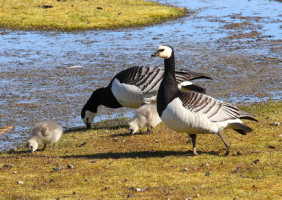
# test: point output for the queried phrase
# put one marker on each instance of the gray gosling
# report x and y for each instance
(145, 116)
(45, 132)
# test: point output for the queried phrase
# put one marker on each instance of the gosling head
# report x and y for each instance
(164, 52)
(32, 145)
(133, 127)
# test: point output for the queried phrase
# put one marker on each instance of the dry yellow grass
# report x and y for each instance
(82, 15)
(110, 164)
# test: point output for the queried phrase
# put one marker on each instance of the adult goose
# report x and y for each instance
(134, 87)
(193, 112)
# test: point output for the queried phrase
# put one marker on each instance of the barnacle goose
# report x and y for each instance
(134, 87)
(193, 112)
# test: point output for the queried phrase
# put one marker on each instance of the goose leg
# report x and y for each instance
(43, 147)
(193, 137)
(227, 144)
(148, 130)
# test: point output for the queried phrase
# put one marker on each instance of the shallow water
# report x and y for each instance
(237, 43)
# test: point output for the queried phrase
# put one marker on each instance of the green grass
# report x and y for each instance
(158, 164)
(71, 15)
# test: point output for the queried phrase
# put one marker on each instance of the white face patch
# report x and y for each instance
(165, 52)
(89, 117)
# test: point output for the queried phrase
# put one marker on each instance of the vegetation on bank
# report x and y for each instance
(108, 163)
(68, 15)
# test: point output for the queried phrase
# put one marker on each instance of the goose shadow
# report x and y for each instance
(127, 134)
(96, 127)
(139, 154)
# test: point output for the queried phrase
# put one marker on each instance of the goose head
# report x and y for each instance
(87, 117)
(164, 52)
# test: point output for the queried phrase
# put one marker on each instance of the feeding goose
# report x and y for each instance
(193, 112)
(134, 87)
(145, 116)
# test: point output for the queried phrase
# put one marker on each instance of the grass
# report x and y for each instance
(68, 15)
(110, 164)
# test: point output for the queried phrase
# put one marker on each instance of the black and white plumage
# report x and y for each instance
(193, 112)
(134, 87)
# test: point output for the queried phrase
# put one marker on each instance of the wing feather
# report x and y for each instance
(148, 78)
(214, 110)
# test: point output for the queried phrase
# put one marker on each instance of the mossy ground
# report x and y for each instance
(71, 15)
(108, 163)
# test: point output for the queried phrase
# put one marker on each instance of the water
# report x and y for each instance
(238, 43)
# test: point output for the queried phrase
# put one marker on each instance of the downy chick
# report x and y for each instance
(145, 116)
(45, 132)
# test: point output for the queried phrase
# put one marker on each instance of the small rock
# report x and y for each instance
(74, 192)
(82, 144)
(203, 186)
(239, 153)
(46, 6)
(185, 169)
(198, 195)
(52, 180)
(70, 166)
(93, 161)
(237, 170)
(235, 198)
(15, 172)
(275, 124)
(280, 135)
(194, 188)
(57, 168)
(207, 173)
(141, 189)
(99, 8)
(187, 198)
(20, 182)
(129, 195)
(116, 139)
(174, 188)
(271, 147)
(86, 179)
(256, 161)
(8, 165)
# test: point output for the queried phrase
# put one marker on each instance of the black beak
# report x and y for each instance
(156, 54)
(88, 126)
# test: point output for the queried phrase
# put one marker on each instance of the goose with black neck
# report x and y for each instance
(134, 87)
(192, 112)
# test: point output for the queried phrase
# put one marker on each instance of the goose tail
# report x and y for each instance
(191, 87)
(241, 128)
(246, 115)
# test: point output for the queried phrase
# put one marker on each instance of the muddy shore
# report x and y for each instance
(50, 75)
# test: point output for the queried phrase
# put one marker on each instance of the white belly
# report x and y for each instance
(129, 95)
(180, 119)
